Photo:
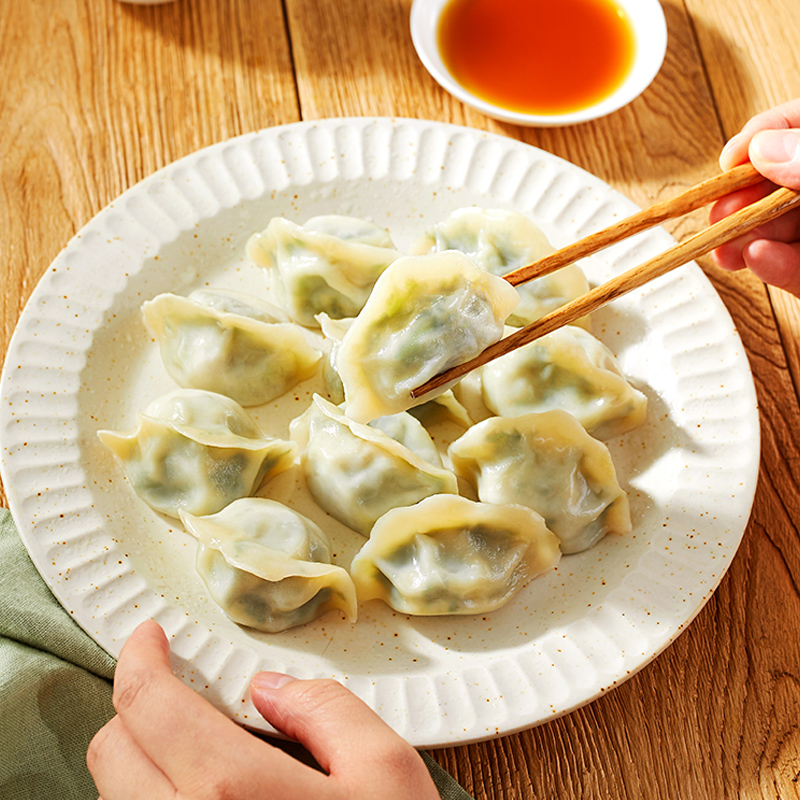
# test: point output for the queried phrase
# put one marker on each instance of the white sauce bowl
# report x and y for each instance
(650, 34)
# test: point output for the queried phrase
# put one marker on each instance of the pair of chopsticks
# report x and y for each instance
(743, 221)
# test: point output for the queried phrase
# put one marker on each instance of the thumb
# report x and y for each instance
(346, 737)
(776, 155)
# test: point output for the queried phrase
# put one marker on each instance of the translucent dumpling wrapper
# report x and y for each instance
(411, 433)
(357, 473)
(549, 463)
(425, 314)
(197, 452)
(229, 301)
(501, 241)
(333, 331)
(568, 369)
(450, 555)
(445, 406)
(350, 229)
(329, 265)
(224, 343)
(469, 395)
(268, 567)
(401, 427)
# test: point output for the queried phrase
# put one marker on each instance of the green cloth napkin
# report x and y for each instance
(55, 689)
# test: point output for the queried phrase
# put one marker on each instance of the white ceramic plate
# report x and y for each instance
(80, 360)
(650, 35)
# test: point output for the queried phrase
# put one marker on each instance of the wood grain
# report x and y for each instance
(96, 95)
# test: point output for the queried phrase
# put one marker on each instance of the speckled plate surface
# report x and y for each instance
(81, 360)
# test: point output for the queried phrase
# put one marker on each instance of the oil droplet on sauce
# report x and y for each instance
(537, 56)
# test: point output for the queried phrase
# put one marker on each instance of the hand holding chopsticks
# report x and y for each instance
(743, 221)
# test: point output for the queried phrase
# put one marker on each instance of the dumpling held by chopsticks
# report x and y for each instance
(425, 314)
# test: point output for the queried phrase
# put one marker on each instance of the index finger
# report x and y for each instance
(193, 743)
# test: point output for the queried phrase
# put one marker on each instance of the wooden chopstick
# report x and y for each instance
(743, 221)
(698, 196)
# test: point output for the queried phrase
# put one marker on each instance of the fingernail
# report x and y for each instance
(727, 158)
(730, 144)
(776, 147)
(271, 680)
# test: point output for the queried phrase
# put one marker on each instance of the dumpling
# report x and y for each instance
(567, 369)
(401, 427)
(267, 566)
(328, 265)
(196, 451)
(333, 330)
(357, 473)
(469, 395)
(229, 301)
(411, 433)
(450, 555)
(500, 242)
(445, 406)
(350, 229)
(549, 463)
(225, 343)
(425, 314)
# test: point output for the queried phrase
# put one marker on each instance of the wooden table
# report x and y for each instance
(96, 95)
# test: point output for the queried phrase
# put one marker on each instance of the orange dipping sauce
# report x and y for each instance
(537, 56)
